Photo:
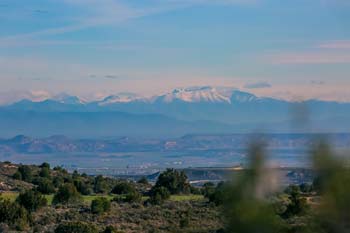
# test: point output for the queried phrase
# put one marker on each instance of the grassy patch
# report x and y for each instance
(186, 197)
(89, 198)
(9, 195)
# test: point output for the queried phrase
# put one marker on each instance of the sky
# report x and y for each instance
(296, 49)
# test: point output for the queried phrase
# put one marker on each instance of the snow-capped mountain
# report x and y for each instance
(123, 97)
(64, 98)
(178, 110)
(207, 94)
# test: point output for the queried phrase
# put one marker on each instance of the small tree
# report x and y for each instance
(25, 173)
(176, 182)
(67, 193)
(158, 195)
(31, 200)
(297, 205)
(110, 229)
(45, 186)
(123, 188)
(83, 187)
(76, 227)
(143, 180)
(45, 172)
(100, 205)
(13, 214)
(45, 165)
(100, 185)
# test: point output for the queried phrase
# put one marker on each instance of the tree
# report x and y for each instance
(158, 195)
(67, 193)
(100, 205)
(45, 186)
(123, 188)
(45, 172)
(143, 180)
(110, 229)
(176, 182)
(100, 185)
(31, 200)
(45, 165)
(76, 227)
(17, 176)
(26, 173)
(13, 214)
(83, 187)
(297, 205)
(208, 189)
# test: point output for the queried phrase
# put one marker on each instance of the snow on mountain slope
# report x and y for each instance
(124, 97)
(194, 95)
(64, 98)
(207, 94)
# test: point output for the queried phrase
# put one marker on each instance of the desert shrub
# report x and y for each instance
(123, 188)
(67, 193)
(45, 165)
(109, 229)
(100, 205)
(297, 204)
(25, 173)
(17, 176)
(44, 172)
(13, 214)
(76, 227)
(132, 197)
(83, 187)
(158, 195)
(31, 200)
(218, 195)
(143, 180)
(100, 185)
(306, 188)
(207, 189)
(45, 186)
(176, 182)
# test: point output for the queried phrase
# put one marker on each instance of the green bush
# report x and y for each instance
(45, 186)
(12, 213)
(44, 172)
(26, 173)
(100, 185)
(67, 193)
(83, 187)
(123, 188)
(76, 227)
(143, 180)
(158, 195)
(176, 182)
(31, 200)
(100, 205)
(110, 229)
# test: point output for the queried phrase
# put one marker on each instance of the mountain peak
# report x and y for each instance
(65, 98)
(243, 97)
(194, 95)
(122, 97)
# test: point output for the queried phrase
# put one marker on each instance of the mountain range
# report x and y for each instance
(187, 143)
(182, 111)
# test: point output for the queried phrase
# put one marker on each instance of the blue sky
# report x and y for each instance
(287, 49)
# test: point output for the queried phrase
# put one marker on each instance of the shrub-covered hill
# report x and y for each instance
(7, 182)
(44, 199)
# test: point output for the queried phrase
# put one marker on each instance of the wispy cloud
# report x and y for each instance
(257, 85)
(95, 13)
(309, 58)
(335, 44)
